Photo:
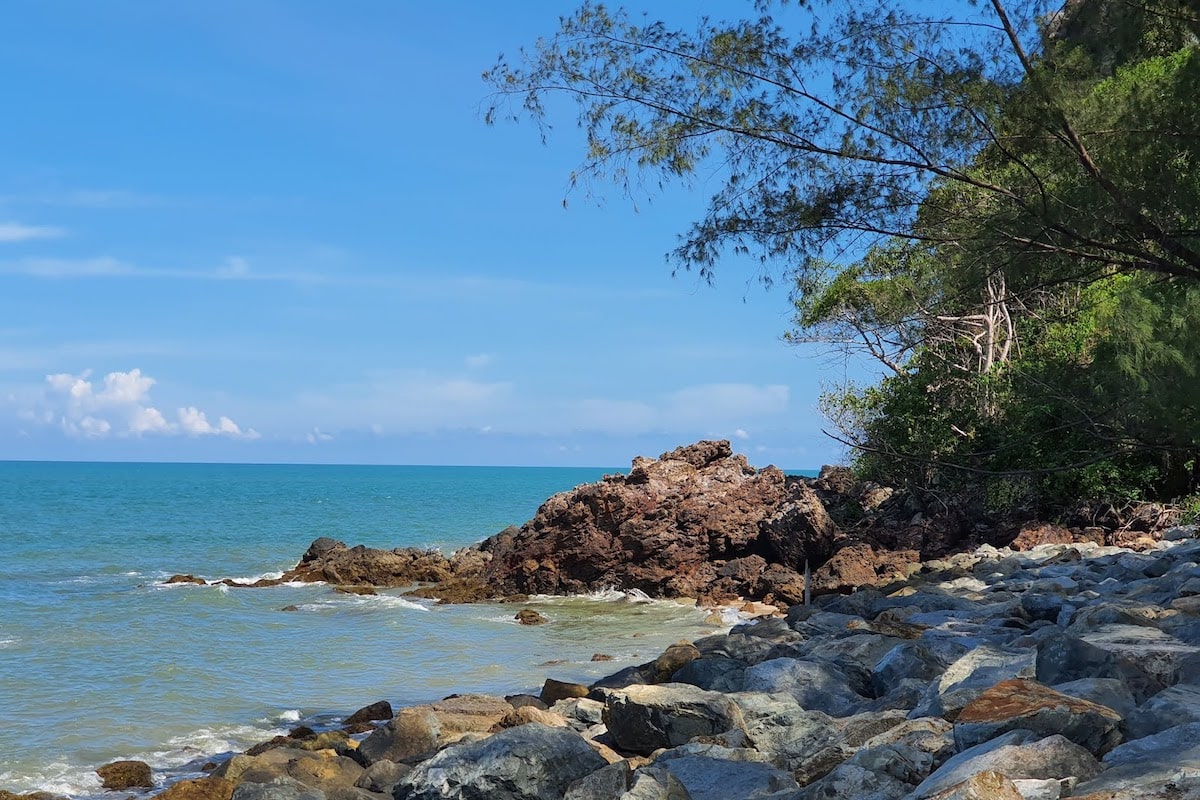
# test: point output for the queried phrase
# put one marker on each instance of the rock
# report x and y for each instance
(619, 782)
(529, 762)
(410, 736)
(1105, 691)
(907, 660)
(382, 776)
(673, 659)
(376, 711)
(527, 714)
(987, 785)
(527, 616)
(326, 773)
(1169, 757)
(815, 686)
(280, 788)
(857, 564)
(1035, 534)
(966, 678)
(662, 529)
(1017, 754)
(642, 719)
(601, 657)
(714, 673)
(554, 690)
(126, 775)
(806, 742)
(1062, 658)
(801, 531)
(720, 779)
(1172, 707)
(1020, 704)
(209, 788)
(186, 579)
(333, 562)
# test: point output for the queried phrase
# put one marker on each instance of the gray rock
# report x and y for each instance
(715, 673)
(382, 776)
(815, 686)
(1062, 658)
(408, 737)
(1158, 654)
(1178, 705)
(720, 779)
(1027, 705)
(1105, 691)
(529, 762)
(619, 782)
(1169, 757)
(280, 788)
(806, 742)
(642, 719)
(904, 661)
(1016, 754)
(969, 676)
(852, 781)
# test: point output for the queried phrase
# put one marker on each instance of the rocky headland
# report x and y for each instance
(936, 657)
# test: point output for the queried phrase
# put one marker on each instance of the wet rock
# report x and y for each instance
(186, 579)
(527, 616)
(333, 562)
(379, 710)
(126, 775)
(642, 719)
(1027, 705)
(529, 762)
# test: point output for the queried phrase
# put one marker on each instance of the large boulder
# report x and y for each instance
(529, 762)
(126, 775)
(333, 562)
(642, 719)
(666, 528)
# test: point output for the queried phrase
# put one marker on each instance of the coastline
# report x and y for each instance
(1062, 670)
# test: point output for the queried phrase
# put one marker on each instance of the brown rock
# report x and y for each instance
(457, 589)
(126, 775)
(1037, 533)
(359, 590)
(461, 714)
(1025, 704)
(858, 564)
(378, 710)
(527, 616)
(185, 579)
(673, 659)
(333, 562)
(526, 714)
(199, 789)
(601, 657)
(553, 691)
(987, 785)
(664, 529)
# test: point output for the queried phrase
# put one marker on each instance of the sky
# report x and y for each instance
(267, 231)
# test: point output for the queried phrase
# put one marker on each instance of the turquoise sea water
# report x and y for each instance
(100, 660)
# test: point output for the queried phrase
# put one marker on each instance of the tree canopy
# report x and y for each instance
(997, 201)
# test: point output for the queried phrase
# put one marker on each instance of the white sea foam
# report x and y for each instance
(266, 576)
(56, 777)
(8, 642)
(341, 601)
(291, 715)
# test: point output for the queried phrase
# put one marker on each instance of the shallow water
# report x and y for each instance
(100, 660)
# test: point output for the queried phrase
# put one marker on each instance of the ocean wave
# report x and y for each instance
(57, 778)
(266, 576)
(341, 601)
(8, 643)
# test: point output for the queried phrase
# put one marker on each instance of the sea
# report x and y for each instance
(100, 659)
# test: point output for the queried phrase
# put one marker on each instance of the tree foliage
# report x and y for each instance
(997, 201)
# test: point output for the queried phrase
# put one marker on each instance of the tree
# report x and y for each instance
(997, 201)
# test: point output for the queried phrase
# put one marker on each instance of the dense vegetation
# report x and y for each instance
(998, 203)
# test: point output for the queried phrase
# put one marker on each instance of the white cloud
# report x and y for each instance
(17, 232)
(692, 410)
(121, 407)
(741, 434)
(316, 435)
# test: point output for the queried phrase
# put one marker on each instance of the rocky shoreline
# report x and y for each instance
(926, 665)
(1066, 670)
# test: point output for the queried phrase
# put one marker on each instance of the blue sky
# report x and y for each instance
(280, 232)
